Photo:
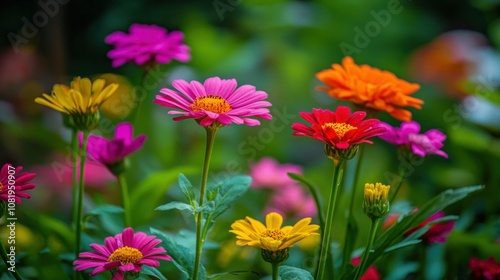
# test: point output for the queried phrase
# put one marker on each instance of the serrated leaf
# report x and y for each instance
(293, 273)
(149, 193)
(152, 271)
(229, 192)
(186, 188)
(182, 257)
(175, 205)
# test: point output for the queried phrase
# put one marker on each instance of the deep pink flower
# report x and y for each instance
(20, 181)
(268, 173)
(437, 233)
(339, 129)
(126, 251)
(215, 100)
(429, 142)
(146, 43)
(484, 269)
(111, 152)
(370, 274)
(292, 201)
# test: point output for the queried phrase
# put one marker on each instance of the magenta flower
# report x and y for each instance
(114, 151)
(146, 43)
(13, 183)
(268, 173)
(437, 233)
(292, 201)
(484, 269)
(215, 100)
(421, 144)
(124, 252)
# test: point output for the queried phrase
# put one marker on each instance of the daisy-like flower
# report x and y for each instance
(147, 43)
(81, 100)
(215, 102)
(437, 233)
(273, 239)
(112, 153)
(428, 143)
(370, 87)
(339, 130)
(125, 252)
(14, 183)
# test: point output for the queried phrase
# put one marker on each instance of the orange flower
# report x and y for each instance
(370, 87)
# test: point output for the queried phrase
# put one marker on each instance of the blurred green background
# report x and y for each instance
(278, 46)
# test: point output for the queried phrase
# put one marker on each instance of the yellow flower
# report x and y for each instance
(271, 237)
(81, 100)
(376, 203)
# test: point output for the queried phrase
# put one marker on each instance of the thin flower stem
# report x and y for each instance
(14, 272)
(275, 269)
(347, 252)
(199, 216)
(360, 270)
(74, 158)
(398, 186)
(325, 240)
(81, 187)
(125, 200)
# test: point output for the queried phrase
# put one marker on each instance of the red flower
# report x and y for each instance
(339, 129)
(484, 269)
(14, 183)
(370, 274)
(437, 233)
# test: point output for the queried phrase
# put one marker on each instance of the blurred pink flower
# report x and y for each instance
(215, 101)
(292, 201)
(13, 183)
(437, 233)
(147, 43)
(429, 142)
(484, 269)
(370, 274)
(111, 152)
(17, 67)
(125, 252)
(268, 173)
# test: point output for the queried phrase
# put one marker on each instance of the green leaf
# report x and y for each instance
(186, 188)
(293, 273)
(182, 257)
(103, 209)
(175, 205)
(149, 193)
(239, 273)
(152, 271)
(229, 192)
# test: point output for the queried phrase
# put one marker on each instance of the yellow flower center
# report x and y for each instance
(339, 128)
(126, 255)
(275, 234)
(212, 103)
(1, 186)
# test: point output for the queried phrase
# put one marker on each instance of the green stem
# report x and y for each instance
(398, 186)
(74, 158)
(423, 262)
(125, 200)
(5, 258)
(325, 240)
(81, 187)
(360, 270)
(275, 269)
(348, 243)
(199, 216)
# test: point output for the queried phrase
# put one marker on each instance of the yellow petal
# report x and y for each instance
(256, 225)
(106, 93)
(270, 244)
(44, 102)
(97, 86)
(274, 220)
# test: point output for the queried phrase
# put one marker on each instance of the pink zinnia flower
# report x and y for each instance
(429, 142)
(146, 43)
(111, 152)
(12, 176)
(370, 274)
(484, 269)
(124, 252)
(437, 233)
(292, 201)
(268, 173)
(339, 129)
(215, 100)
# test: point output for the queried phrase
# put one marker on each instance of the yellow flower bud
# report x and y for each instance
(376, 203)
